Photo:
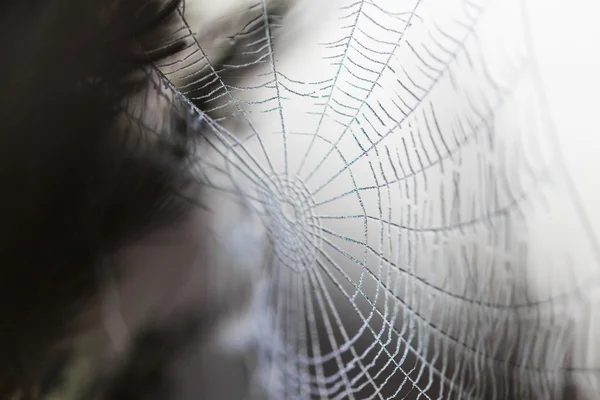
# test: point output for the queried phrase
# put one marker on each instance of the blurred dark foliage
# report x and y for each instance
(74, 189)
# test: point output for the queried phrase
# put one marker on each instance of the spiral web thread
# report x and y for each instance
(401, 190)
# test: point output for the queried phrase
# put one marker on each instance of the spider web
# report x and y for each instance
(403, 158)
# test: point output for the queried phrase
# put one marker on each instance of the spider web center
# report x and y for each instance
(293, 227)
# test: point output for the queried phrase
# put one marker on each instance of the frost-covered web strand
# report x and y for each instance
(401, 171)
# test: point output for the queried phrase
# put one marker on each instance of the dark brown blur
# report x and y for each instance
(76, 186)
